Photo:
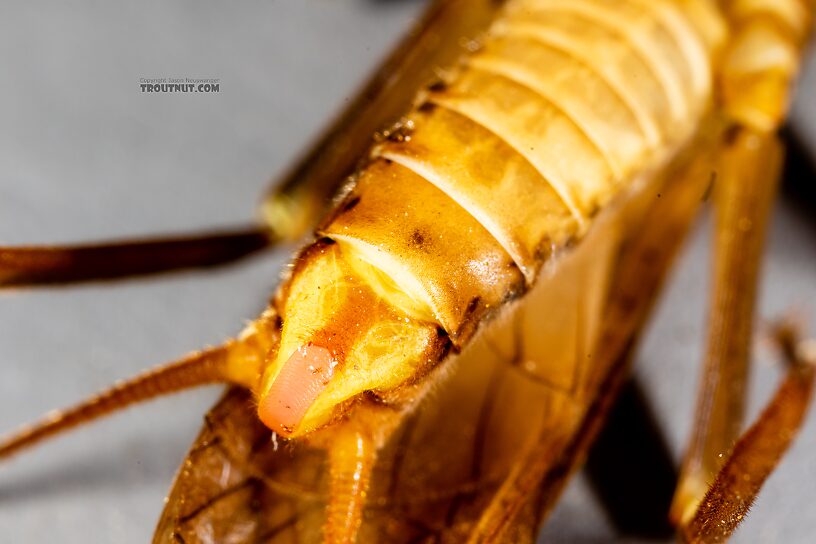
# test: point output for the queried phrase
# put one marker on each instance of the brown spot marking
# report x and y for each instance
(438, 86)
(515, 291)
(472, 305)
(426, 107)
(712, 181)
(732, 133)
(417, 238)
(544, 249)
(350, 204)
(469, 323)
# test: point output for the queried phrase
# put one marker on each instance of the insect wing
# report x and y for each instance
(238, 485)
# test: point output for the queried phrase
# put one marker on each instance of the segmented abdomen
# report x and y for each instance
(564, 103)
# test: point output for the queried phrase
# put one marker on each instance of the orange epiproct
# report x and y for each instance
(301, 380)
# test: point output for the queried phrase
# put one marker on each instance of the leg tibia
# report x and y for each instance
(351, 459)
(756, 453)
(747, 180)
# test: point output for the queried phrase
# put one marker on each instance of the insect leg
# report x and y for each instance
(236, 361)
(747, 181)
(351, 459)
(755, 98)
(758, 451)
(20, 266)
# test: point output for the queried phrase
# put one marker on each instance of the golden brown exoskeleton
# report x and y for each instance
(439, 358)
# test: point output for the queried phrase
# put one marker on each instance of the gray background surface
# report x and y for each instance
(85, 155)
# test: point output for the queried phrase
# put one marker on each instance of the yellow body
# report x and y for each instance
(464, 275)
(440, 358)
(565, 111)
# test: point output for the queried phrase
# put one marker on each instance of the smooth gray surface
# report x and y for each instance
(85, 155)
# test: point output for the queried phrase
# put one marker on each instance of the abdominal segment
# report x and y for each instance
(511, 159)
(499, 172)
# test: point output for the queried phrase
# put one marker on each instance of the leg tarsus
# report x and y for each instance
(758, 451)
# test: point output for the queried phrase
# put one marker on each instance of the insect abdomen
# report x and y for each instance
(512, 158)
